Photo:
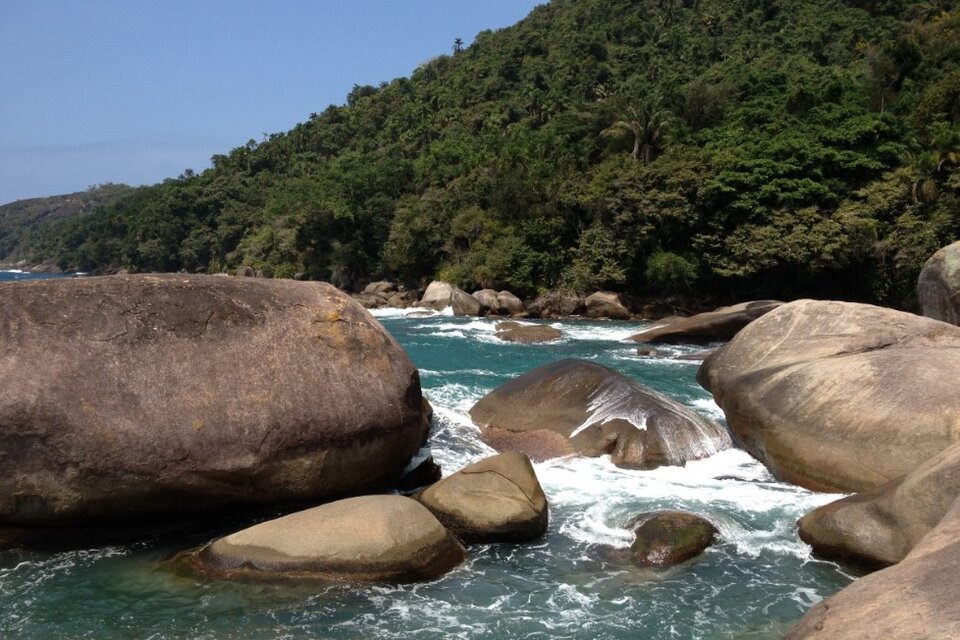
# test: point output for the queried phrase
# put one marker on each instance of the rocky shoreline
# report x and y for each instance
(144, 396)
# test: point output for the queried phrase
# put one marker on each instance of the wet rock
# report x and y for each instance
(367, 539)
(526, 333)
(938, 288)
(440, 295)
(915, 599)
(838, 396)
(422, 475)
(719, 325)
(130, 396)
(668, 538)
(882, 525)
(497, 499)
(606, 304)
(580, 406)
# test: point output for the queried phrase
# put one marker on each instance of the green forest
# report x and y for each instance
(719, 149)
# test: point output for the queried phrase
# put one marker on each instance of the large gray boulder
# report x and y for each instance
(938, 288)
(913, 600)
(881, 526)
(366, 539)
(606, 304)
(713, 326)
(440, 295)
(489, 302)
(510, 305)
(127, 396)
(577, 406)
(838, 396)
(497, 499)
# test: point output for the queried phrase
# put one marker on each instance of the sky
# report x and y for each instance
(135, 91)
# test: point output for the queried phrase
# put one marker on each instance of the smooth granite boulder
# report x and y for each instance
(938, 288)
(838, 396)
(366, 539)
(440, 295)
(489, 301)
(668, 538)
(578, 406)
(382, 286)
(913, 600)
(510, 305)
(606, 304)
(526, 333)
(155, 395)
(713, 326)
(497, 499)
(882, 525)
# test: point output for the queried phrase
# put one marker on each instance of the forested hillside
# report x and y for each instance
(736, 148)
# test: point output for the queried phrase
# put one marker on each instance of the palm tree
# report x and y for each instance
(457, 46)
(647, 121)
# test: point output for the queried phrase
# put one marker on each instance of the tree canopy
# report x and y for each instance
(736, 148)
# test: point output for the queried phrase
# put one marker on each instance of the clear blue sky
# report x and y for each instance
(136, 91)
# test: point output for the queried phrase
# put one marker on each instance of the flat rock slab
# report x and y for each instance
(713, 326)
(580, 406)
(839, 396)
(497, 499)
(367, 539)
(127, 396)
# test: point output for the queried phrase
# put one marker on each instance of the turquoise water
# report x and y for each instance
(753, 583)
(16, 274)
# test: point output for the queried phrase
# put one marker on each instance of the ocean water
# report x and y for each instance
(17, 274)
(753, 583)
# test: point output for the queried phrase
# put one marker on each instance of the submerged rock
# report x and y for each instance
(526, 333)
(882, 525)
(667, 538)
(366, 539)
(577, 406)
(916, 598)
(497, 499)
(128, 396)
(838, 396)
(938, 288)
(440, 295)
(713, 326)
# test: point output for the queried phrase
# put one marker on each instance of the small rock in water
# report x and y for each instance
(526, 333)
(366, 539)
(667, 538)
(497, 499)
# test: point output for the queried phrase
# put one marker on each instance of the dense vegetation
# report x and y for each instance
(22, 223)
(730, 148)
